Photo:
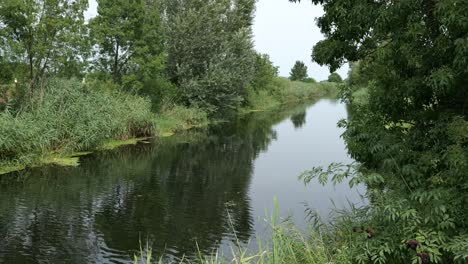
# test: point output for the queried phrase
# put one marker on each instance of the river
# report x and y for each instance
(197, 188)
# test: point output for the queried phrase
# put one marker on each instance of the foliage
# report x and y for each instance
(408, 128)
(264, 72)
(9, 71)
(298, 72)
(335, 77)
(128, 36)
(309, 80)
(69, 118)
(196, 53)
(287, 244)
(130, 40)
(174, 118)
(210, 53)
(357, 75)
(283, 91)
(44, 36)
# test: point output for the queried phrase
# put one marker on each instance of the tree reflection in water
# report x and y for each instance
(176, 192)
(299, 119)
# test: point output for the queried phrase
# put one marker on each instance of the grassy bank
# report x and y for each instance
(282, 91)
(67, 118)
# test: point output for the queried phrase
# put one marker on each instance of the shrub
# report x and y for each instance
(309, 80)
(173, 118)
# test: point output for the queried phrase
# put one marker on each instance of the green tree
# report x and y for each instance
(412, 134)
(45, 35)
(128, 35)
(265, 72)
(210, 51)
(130, 40)
(357, 75)
(298, 71)
(335, 77)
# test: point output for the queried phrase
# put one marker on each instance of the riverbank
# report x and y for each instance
(70, 120)
(284, 91)
(167, 123)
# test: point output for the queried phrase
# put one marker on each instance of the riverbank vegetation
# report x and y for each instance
(408, 126)
(137, 69)
(287, 244)
(407, 131)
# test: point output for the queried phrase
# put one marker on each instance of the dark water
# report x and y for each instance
(198, 188)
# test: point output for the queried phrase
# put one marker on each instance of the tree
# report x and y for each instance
(45, 35)
(210, 51)
(298, 71)
(128, 35)
(357, 75)
(411, 134)
(264, 71)
(335, 77)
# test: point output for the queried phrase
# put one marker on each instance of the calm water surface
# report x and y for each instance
(201, 187)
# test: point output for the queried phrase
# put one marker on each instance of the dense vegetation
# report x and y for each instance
(408, 127)
(137, 69)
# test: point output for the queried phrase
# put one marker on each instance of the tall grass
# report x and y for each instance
(287, 245)
(144, 256)
(66, 117)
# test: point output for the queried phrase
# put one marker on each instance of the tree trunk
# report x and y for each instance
(115, 69)
(31, 72)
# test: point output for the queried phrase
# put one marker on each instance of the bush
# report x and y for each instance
(173, 118)
(309, 80)
(260, 100)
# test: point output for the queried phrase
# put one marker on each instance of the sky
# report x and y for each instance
(285, 31)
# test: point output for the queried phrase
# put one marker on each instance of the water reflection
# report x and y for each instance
(178, 192)
(299, 119)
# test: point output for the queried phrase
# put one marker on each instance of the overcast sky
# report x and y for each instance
(285, 31)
